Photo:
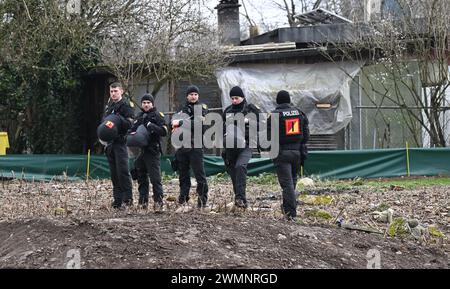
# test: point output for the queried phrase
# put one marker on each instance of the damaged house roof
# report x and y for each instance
(323, 31)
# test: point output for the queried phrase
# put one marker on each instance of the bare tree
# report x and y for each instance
(408, 54)
(290, 8)
(170, 40)
(293, 7)
(45, 50)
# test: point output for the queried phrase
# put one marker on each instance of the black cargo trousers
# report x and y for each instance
(117, 155)
(148, 165)
(236, 161)
(192, 158)
(287, 165)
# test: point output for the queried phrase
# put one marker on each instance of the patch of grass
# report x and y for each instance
(358, 182)
(346, 185)
(218, 178)
(320, 214)
(316, 200)
(384, 183)
(398, 228)
(167, 177)
(343, 186)
(409, 183)
(382, 207)
(435, 232)
(263, 179)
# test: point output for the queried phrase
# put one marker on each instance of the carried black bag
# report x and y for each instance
(138, 138)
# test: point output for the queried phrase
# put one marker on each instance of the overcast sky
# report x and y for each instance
(263, 12)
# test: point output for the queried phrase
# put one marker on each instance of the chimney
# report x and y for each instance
(228, 19)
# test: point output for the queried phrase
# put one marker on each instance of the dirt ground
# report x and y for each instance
(64, 224)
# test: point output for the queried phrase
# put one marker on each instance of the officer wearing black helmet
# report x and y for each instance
(120, 116)
(148, 163)
(191, 157)
(293, 136)
(236, 158)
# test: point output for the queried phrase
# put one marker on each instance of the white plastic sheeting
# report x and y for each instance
(308, 85)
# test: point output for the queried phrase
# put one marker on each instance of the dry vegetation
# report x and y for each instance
(55, 216)
(352, 202)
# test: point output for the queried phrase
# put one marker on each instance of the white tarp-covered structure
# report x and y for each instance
(308, 85)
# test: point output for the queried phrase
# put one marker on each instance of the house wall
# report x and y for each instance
(161, 99)
(210, 93)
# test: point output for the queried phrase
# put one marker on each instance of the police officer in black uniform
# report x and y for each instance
(293, 135)
(116, 150)
(148, 163)
(192, 157)
(235, 158)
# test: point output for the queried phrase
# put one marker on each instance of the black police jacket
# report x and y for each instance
(245, 108)
(156, 126)
(293, 127)
(188, 109)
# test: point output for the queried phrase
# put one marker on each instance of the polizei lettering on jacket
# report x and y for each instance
(291, 113)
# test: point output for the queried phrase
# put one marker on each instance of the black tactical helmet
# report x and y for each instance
(108, 130)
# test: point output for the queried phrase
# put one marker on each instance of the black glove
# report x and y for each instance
(151, 126)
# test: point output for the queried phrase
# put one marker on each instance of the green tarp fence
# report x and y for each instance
(323, 164)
